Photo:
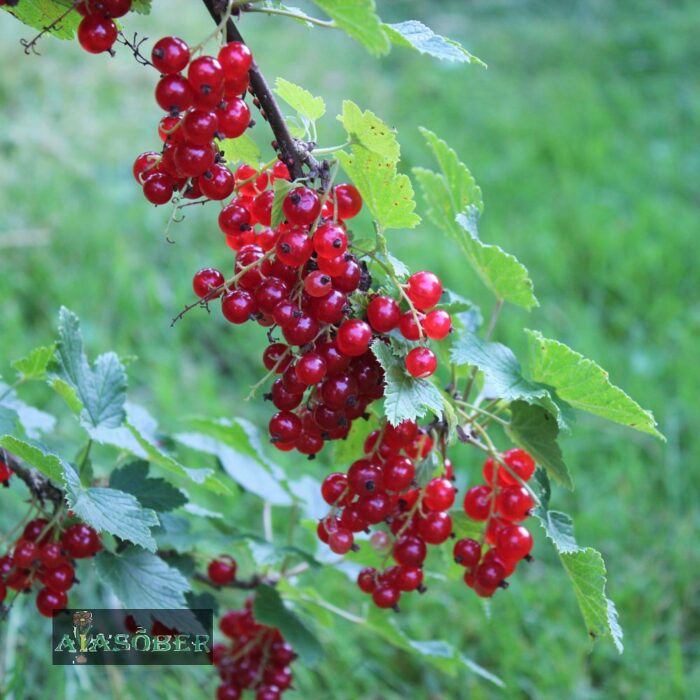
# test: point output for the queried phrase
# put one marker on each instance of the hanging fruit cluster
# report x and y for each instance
(256, 658)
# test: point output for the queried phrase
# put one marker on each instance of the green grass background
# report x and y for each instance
(583, 134)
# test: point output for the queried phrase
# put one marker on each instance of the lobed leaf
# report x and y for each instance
(34, 365)
(368, 130)
(300, 100)
(156, 494)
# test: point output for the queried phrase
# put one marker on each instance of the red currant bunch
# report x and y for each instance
(202, 105)
(97, 31)
(502, 503)
(44, 555)
(255, 658)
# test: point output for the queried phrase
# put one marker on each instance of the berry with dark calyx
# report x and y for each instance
(435, 527)
(410, 551)
(375, 507)
(318, 284)
(270, 293)
(109, 8)
(199, 126)
(385, 596)
(367, 580)
(467, 552)
(234, 118)
(489, 574)
(235, 59)
(339, 391)
(330, 308)
(284, 426)
(424, 289)
(348, 278)
(383, 314)
(192, 159)
(217, 183)
(283, 398)
(477, 502)
(354, 337)
(170, 55)
(514, 503)
(222, 570)
(80, 541)
(514, 542)
(421, 362)
(49, 602)
(437, 324)
(301, 206)
(364, 478)
(205, 74)
(97, 33)
(301, 330)
(294, 247)
(330, 240)
(174, 94)
(234, 219)
(409, 578)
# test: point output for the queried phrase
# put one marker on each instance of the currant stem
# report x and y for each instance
(326, 23)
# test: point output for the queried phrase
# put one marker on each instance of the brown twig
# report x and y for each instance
(39, 485)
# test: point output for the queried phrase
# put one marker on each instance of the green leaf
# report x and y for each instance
(142, 580)
(33, 421)
(387, 193)
(281, 188)
(242, 148)
(101, 389)
(270, 610)
(108, 509)
(300, 100)
(34, 454)
(34, 365)
(40, 14)
(584, 384)
(157, 494)
(238, 448)
(414, 34)
(358, 19)
(345, 451)
(405, 398)
(536, 431)
(453, 202)
(586, 569)
(368, 130)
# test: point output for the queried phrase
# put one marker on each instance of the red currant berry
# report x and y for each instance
(271, 292)
(318, 284)
(193, 160)
(294, 247)
(205, 74)
(408, 326)
(386, 596)
(24, 554)
(60, 578)
(336, 361)
(364, 478)
(109, 8)
(375, 507)
(170, 55)
(339, 391)
(335, 486)
(354, 337)
(330, 240)
(340, 541)
(477, 502)
(348, 279)
(520, 462)
(301, 330)
(348, 201)
(467, 552)
(97, 33)
(437, 324)
(234, 118)
(158, 188)
(51, 555)
(145, 165)
(439, 494)
(399, 473)
(367, 579)
(238, 306)
(285, 426)
(489, 574)
(311, 368)
(277, 356)
(222, 570)
(80, 541)
(514, 503)
(301, 206)
(409, 578)
(421, 362)
(174, 94)
(410, 551)
(234, 219)
(261, 209)
(217, 183)
(514, 542)
(383, 314)
(34, 529)
(424, 289)
(236, 59)
(228, 691)
(199, 126)
(48, 602)
(435, 527)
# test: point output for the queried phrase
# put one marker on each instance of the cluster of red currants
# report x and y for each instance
(381, 488)
(201, 107)
(97, 31)
(257, 658)
(300, 277)
(501, 503)
(43, 554)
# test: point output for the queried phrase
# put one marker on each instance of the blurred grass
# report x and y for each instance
(583, 136)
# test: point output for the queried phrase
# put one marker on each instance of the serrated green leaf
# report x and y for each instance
(584, 384)
(142, 580)
(240, 453)
(34, 365)
(67, 393)
(559, 528)
(281, 188)
(387, 193)
(300, 100)
(368, 130)
(40, 14)
(33, 421)
(358, 19)
(414, 34)
(586, 569)
(101, 389)
(34, 454)
(536, 431)
(270, 610)
(110, 510)
(156, 494)
(241, 149)
(448, 195)
(405, 398)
